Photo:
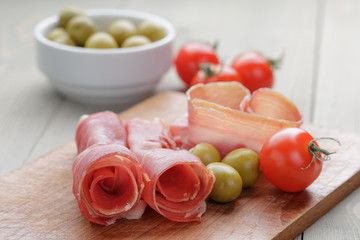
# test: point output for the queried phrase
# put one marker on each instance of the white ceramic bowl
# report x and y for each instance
(105, 76)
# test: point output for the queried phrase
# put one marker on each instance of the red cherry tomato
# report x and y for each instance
(291, 159)
(215, 73)
(255, 70)
(190, 56)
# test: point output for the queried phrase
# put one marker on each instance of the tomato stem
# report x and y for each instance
(215, 45)
(207, 69)
(319, 153)
(275, 63)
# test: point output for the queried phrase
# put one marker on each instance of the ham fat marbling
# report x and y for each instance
(179, 182)
(227, 116)
(107, 178)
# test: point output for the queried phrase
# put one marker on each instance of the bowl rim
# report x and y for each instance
(39, 32)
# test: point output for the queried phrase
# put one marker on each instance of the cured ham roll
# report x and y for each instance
(99, 128)
(107, 178)
(228, 117)
(179, 182)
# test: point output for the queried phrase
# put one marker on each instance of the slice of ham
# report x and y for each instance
(179, 182)
(99, 128)
(228, 117)
(107, 178)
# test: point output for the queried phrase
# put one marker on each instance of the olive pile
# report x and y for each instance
(237, 170)
(75, 28)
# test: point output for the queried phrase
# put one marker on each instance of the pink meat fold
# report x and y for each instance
(107, 178)
(228, 117)
(178, 181)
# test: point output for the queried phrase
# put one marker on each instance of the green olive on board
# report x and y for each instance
(80, 28)
(122, 29)
(246, 162)
(68, 13)
(101, 40)
(206, 152)
(152, 30)
(135, 40)
(228, 183)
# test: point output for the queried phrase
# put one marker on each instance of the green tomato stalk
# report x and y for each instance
(209, 70)
(319, 153)
(275, 63)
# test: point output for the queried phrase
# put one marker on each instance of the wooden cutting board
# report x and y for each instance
(37, 201)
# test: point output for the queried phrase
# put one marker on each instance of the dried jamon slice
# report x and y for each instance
(228, 117)
(178, 181)
(99, 128)
(108, 180)
(271, 104)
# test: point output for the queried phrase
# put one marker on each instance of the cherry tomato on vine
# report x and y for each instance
(215, 73)
(190, 56)
(256, 70)
(292, 160)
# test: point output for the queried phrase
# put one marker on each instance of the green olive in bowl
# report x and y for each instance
(122, 29)
(56, 32)
(151, 30)
(67, 14)
(104, 76)
(80, 28)
(59, 35)
(101, 40)
(134, 41)
(65, 40)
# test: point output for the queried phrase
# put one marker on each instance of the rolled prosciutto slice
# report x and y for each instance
(228, 117)
(99, 128)
(107, 178)
(178, 181)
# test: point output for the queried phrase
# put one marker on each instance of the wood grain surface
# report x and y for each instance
(37, 203)
(319, 72)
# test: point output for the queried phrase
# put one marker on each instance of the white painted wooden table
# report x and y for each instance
(320, 72)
